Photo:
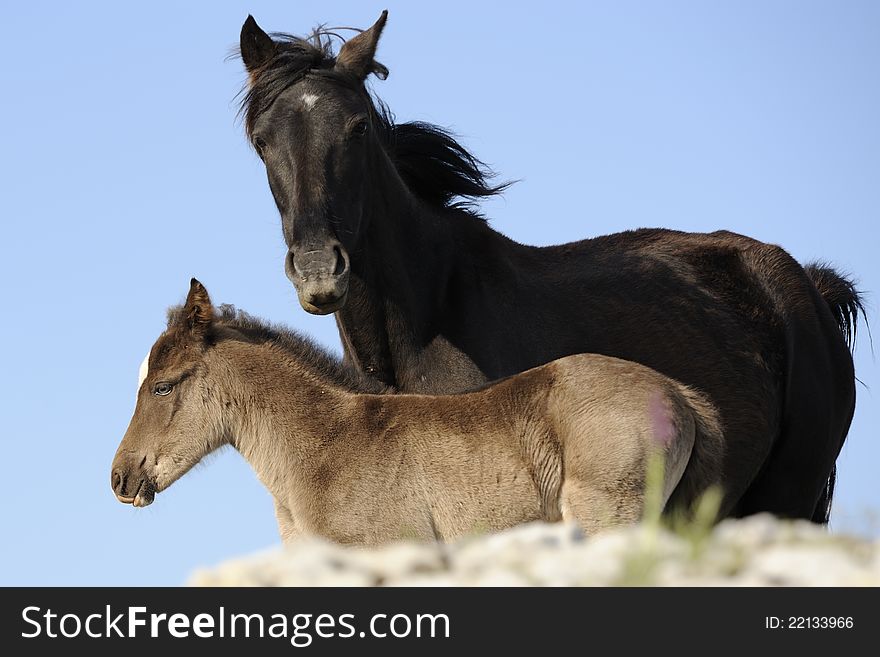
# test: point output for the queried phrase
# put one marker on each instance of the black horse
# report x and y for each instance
(429, 298)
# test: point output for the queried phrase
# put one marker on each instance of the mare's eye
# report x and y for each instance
(359, 129)
(163, 389)
(259, 145)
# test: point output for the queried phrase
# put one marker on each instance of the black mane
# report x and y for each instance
(433, 165)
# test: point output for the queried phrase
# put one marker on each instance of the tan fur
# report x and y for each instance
(569, 440)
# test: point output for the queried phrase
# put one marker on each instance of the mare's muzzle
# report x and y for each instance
(320, 276)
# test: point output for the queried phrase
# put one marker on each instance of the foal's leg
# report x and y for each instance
(287, 527)
(601, 497)
(596, 506)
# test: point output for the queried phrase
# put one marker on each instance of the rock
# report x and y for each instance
(756, 551)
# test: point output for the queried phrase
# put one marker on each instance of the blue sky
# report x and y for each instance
(124, 173)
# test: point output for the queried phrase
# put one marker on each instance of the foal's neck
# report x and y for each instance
(278, 412)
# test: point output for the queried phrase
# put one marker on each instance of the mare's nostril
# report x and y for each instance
(116, 480)
(290, 265)
(341, 262)
(143, 460)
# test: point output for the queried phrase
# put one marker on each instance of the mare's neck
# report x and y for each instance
(401, 275)
(407, 249)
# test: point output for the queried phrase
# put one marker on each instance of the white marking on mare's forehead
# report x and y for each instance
(309, 100)
(143, 370)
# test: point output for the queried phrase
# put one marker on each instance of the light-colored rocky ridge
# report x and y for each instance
(757, 551)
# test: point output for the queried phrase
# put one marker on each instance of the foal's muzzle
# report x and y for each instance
(320, 276)
(131, 482)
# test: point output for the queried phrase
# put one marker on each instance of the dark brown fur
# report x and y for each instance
(569, 440)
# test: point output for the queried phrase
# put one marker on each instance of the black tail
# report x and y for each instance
(845, 303)
(842, 297)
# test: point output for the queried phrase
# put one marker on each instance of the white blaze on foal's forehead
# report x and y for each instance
(309, 100)
(143, 370)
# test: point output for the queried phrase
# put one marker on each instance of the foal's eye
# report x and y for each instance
(259, 145)
(163, 389)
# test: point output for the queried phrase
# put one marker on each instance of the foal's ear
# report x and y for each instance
(356, 54)
(256, 46)
(198, 312)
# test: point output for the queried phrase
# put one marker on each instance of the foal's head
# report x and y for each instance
(172, 427)
(312, 122)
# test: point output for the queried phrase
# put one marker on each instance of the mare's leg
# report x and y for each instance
(819, 405)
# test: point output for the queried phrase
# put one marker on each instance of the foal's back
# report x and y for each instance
(433, 467)
(570, 439)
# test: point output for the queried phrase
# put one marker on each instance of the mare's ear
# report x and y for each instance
(198, 313)
(356, 54)
(256, 47)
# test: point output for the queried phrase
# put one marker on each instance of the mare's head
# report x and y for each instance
(172, 427)
(329, 151)
(312, 123)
